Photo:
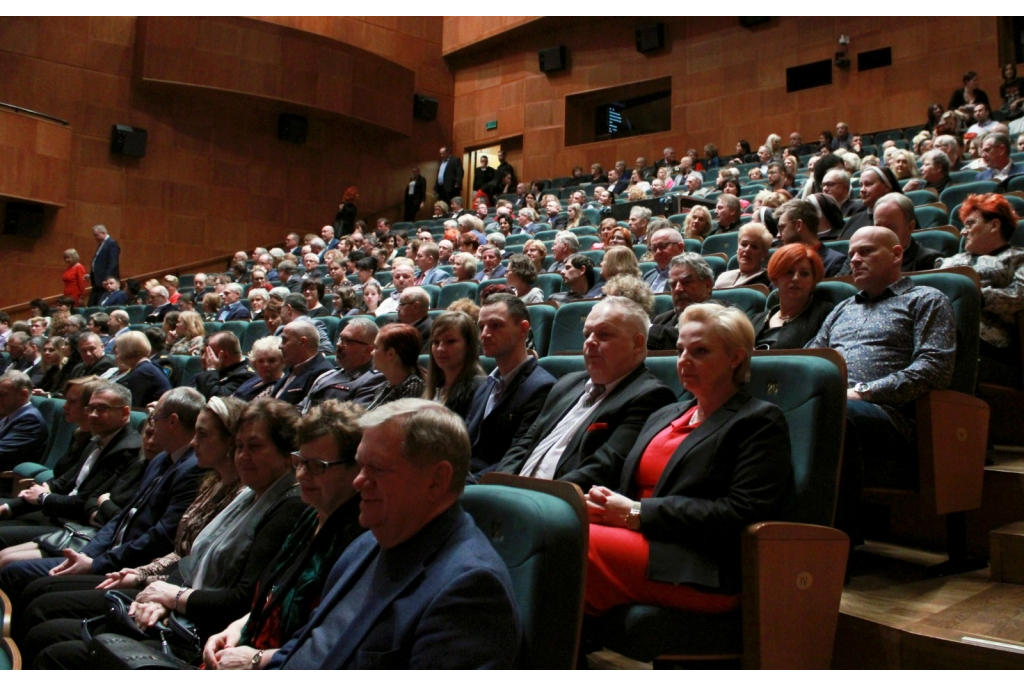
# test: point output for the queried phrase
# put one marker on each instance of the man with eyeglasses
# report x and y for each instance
(666, 243)
(836, 184)
(105, 476)
(414, 309)
(23, 431)
(145, 527)
(355, 379)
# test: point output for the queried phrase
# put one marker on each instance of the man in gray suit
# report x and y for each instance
(355, 379)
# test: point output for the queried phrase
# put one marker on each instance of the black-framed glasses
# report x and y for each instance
(156, 417)
(343, 341)
(317, 467)
(103, 408)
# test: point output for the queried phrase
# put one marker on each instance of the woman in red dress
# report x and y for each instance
(699, 473)
(74, 277)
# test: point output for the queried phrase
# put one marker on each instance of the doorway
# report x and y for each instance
(471, 162)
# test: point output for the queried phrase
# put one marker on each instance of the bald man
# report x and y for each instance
(899, 342)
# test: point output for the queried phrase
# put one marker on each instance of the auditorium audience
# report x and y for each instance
(266, 359)
(799, 223)
(145, 380)
(727, 209)
(226, 368)
(23, 432)
(666, 530)
(521, 276)
(53, 365)
(874, 183)
(578, 280)
(300, 349)
(895, 211)
(396, 351)
(751, 256)
(190, 334)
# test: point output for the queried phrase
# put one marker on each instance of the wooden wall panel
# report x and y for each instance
(215, 177)
(727, 82)
(36, 158)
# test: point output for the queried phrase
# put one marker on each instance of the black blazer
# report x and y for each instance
(798, 332)
(595, 454)
(452, 178)
(731, 471)
(223, 383)
(511, 417)
(299, 387)
(147, 382)
(105, 263)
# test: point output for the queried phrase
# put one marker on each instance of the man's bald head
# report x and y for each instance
(307, 332)
(875, 258)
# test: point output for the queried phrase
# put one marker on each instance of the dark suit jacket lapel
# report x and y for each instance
(609, 404)
(707, 429)
(650, 429)
(562, 405)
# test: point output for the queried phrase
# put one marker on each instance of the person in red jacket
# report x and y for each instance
(74, 277)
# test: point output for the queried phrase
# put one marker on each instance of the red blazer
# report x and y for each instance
(74, 282)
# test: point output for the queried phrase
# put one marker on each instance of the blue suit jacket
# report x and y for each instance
(113, 299)
(498, 273)
(23, 438)
(434, 277)
(150, 533)
(445, 601)
(1015, 170)
(514, 413)
(106, 263)
(234, 312)
(147, 382)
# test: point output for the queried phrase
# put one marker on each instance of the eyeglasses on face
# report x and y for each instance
(317, 467)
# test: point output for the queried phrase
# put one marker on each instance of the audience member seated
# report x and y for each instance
(667, 532)
(427, 260)
(104, 477)
(454, 373)
(54, 366)
(995, 152)
(414, 310)
(795, 270)
(899, 342)
(520, 276)
(690, 281)
(295, 308)
(227, 369)
(354, 379)
(698, 223)
(639, 218)
(403, 275)
(118, 324)
(492, 266)
(25, 355)
(145, 380)
(536, 251)
(144, 527)
(114, 295)
(591, 418)
(268, 362)
(158, 298)
(836, 183)
(465, 266)
(751, 254)
(396, 353)
(566, 243)
(895, 211)
(617, 260)
(728, 212)
(799, 223)
(666, 243)
(983, 121)
(903, 164)
(94, 361)
(874, 183)
(300, 342)
(989, 222)
(234, 309)
(190, 335)
(23, 432)
(578, 280)
(215, 579)
(935, 168)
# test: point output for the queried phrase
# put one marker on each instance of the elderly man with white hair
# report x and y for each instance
(160, 299)
(592, 418)
(639, 217)
(693, 182)
(234, 309)
(566, 244)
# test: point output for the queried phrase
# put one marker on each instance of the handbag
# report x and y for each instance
(113, 652)
(73, 536)
(120, 647)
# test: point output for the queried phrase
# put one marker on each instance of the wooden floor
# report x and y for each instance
(893, 616)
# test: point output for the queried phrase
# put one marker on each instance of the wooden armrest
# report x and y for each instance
(7, 644)
(9, 475)
(792, 583)
(952, 435)
(5, 618)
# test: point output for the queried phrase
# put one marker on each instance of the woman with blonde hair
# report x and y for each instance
(190, 333)
(698, 223)
(903, 164)
(536, 251)
(74, 277)
(632, 288)
(441, 210)
(619, 260)
(53, 362)
(575, 216)
(752, 254)
(210, 305)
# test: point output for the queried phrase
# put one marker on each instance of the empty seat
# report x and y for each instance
(567, 330)
(930, 217)
(723, 242)
(954, 195)
(456, 291)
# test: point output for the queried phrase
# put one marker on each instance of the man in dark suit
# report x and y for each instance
(996, 153)
(144, 529)
(227, 367)
(591, 419)
(289, 279)
(94, 361)
(74, 494)
(483, 174)
(414, 309)
(690, 281)
(415, 195)
(23, 432)
(146, 381)
(234, 309)
(616, 184)
(449, 177)
(26, 356)
(508, 403)
(355, 379)
(113, 295)
(327, 233)
(504, 168)
(105, 263)
(493, 268)
(299, 343)
(160, 299)
(424, 589)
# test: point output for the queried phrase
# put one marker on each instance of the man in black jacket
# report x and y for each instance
(591, 419)
(299, 342)
(94, 362)
(227, 367)
(449, 177)
(690, 281)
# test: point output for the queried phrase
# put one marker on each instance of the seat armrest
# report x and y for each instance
(952, 435)
(792, 583)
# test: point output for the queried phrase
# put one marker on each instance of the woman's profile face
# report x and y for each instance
(448, 347)
(704, 364)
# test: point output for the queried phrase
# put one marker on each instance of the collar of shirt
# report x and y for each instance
(898, 288)
(508, 378)
(177, 454)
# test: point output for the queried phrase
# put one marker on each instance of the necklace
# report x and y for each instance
(786, 319)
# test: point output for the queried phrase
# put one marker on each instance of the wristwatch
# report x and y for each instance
(256, 659)
(862, 389)
(633, 517)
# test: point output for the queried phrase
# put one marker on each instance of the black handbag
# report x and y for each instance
(112, 652)
(120, 647)
(73, 536)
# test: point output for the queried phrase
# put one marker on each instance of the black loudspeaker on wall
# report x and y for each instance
(650, 38)
(24, 219)
(553, 59)
(292, 128)
(424, 107)
(128, 140)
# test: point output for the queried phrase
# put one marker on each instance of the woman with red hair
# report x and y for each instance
(794, 270)
(345, 219)
(989, 223)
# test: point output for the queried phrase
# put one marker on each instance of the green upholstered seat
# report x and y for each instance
(717, 264)
(542, 541)
(723, 242)
(930, 217)
(834, 291)
(965, 297)
(136, 313)
(253, 332)
(332, 323)
(955, 194)
(519, 239)
(943, 241)
(542, 318)
(749, 300)
(561, 365)
(839, 245)
(567, 330)
(921, 197)
(549, 283)
(237, 327)
(456, 291)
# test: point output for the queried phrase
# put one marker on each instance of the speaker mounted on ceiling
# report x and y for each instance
(424, 108)
(650, 38)
(553, 59)
(128, 140)
(292, 128)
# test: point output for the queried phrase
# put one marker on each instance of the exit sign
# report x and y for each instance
(491, 125)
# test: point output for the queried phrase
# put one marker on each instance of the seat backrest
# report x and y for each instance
(1015, 183)
(137, 419)
(237, 327)
(253, 332)
(842, 246)
(543, 544)
(136, 313)
(930, 217)
(485, 284)
(921, 197)
(383, 277)
(61, 433)
(519, 239)
(723, 242)
(331, 323)
(833, 291)
(456, 291)
(665, 369)
(542, 318)
(965, 296)
(749, 300)
(192, 366)
(943, 241)
(596, 256)
(435, 293)
(549, 283)
(810, 388)
(560, 365)
(955, 194)
(692, 245)
(567, 330)
(662, 303)
(717, 264)
(586, 241)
